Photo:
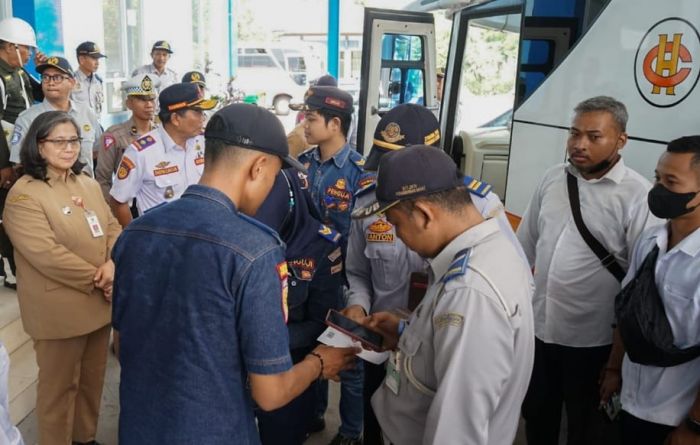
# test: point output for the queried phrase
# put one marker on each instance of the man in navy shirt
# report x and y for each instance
(200, 300)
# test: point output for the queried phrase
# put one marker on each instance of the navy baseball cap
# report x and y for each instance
(327, 98)
(89, 49)
(415, 171)
(179, 96)
(162, 44)
(403, 125)
(253, 127)
(59, 63)
(194, 77)
(326, 81)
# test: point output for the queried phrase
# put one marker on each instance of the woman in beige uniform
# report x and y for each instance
(63, 233)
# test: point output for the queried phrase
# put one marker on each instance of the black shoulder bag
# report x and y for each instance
(606, 258)
(642, 322)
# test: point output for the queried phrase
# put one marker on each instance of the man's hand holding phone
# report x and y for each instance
(386, 324)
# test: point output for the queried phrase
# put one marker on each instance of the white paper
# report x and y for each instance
(338, 339)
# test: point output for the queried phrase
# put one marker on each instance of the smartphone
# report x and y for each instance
(613, 406)
(368, 338)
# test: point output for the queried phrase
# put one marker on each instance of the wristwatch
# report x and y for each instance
(692, 424)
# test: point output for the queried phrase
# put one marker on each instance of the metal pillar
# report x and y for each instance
(232, 40)
(333, 36)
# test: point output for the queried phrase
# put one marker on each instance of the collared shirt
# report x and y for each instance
(88, 91)
(167, 77)
(154, 169)
(665, 395)
(466, 355)
(198, 305)
(379, 264)
(110, 149)
(574, 292)
(17, 97)
(333, 184)
(90, 130)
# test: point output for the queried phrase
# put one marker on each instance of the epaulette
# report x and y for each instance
(458, 266)
(357, 159)
(329, 234)
(366, 189)
(144, 142)
(479, 188)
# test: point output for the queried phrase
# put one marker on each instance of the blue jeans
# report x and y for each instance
(351, 401)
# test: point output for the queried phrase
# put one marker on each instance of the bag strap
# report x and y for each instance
(606, 258)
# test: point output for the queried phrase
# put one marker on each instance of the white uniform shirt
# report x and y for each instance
(88, 91)
(90, 130)
(665, 395)
(155, 170)
(574, 294)
(167, 77)
(465, 358)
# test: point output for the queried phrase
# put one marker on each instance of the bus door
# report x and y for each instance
(398, 66)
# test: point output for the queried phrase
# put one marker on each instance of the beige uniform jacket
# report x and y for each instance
(57, 255)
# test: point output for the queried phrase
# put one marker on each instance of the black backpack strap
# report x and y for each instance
(606, 258)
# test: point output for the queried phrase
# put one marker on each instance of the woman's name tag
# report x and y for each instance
(94, 224)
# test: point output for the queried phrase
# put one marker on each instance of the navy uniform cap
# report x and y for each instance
(142, 85)
(59, 63)
(194, 77)
(89, 49)
(326, 81)
(162, 44)
(179, 96)
(403, 125)
(327, 98)
(253, 127)
(415, 171)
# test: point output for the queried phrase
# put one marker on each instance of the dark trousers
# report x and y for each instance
(636, 431)
(289, 425)
(374, 376)
(567, 376)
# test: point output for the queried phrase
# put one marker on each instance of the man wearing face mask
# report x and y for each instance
(661, 392)
(575, 287)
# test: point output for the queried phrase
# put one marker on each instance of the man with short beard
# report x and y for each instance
(575, 288)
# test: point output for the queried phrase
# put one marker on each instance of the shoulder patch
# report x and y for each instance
(357, 159)
(458, 266)
(479, 188)
(108, 141)
(329, 234)
(125, 167)
(448, 319)
(16, 135)
(366, 182)
(366, 189)
(144, 142)
(283, 274)
(18, 198)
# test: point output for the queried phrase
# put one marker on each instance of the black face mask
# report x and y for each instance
(601, 166)
(666, 204)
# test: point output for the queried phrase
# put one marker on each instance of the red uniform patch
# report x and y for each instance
(283, 274)
(125, 167)
(109, 141)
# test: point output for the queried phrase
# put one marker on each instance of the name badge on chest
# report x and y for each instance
(393, 372)
(94, 223)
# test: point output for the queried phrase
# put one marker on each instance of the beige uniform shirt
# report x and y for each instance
(57, 253)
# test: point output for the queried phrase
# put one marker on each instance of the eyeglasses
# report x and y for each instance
(56, 78)
(63, 144)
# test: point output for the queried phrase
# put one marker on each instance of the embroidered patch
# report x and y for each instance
(479, 188)
(303, 180)
(337, 268)
(16, 135)
(366, 181)
(199, 160)
(380, 232)
(329, 234)
(392, 133)
(125, 167)
(283, 275)
(307, 264)
(448, 319)
(337, 196)
(334, 255)
(109, 141)
(458, 266)
(19, 198)
(144, 142)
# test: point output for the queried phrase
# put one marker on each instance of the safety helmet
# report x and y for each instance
(17, 31)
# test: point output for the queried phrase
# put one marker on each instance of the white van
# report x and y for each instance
(276, 75)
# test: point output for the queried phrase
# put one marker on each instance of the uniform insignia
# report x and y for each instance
(334, 255)
(66, 210)
(458, 266)
(52, 61)
(337, 196)
(304, 267)
(380, 232)
(196, 77)
(125, 166)
(329, 234)
(144, 142)
(16, 135)
(479, 188)
(108, 141)
(77, 201)
(392, 133)
(364, 212)
(87, 128)
(360, 162)
(283, 275)
(169, 192)
(146, 84)
(162, 164)
(337, 268)
(8, 77)
(199, 160)
(165, 170)
(19, 198)
(448, 319)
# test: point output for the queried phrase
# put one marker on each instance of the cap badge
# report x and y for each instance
(196, 77)
(52, 61)
(147, 84)
(95, 48)
(410, 189)
(87, 127)
(165, 45)
(392, 133)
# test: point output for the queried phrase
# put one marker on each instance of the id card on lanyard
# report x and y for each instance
(91, 218)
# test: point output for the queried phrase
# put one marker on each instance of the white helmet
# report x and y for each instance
(17, 31)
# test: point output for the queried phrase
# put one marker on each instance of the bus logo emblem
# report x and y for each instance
(665, 70)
